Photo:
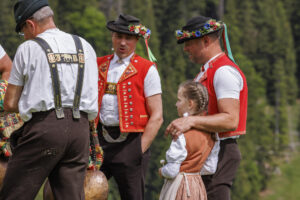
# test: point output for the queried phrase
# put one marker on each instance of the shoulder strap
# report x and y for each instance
(52, 60)
(80, 75)
(54, 75)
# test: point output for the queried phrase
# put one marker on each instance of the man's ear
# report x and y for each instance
(206, 40)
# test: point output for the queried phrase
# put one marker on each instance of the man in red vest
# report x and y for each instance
(130, 113)
(227, 109)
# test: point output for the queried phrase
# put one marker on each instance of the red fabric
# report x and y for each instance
(207, 80)
(133, 113)
(198, 145)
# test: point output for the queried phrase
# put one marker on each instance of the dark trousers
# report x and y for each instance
(219, 184)
(48, 147)
(126, 163)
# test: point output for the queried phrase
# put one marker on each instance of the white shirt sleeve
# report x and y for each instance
(152, 83)
(2, 52)
(175, 155)
(228, 82)
(16, 75)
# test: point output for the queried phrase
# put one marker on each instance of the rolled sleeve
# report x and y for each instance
(152, 83)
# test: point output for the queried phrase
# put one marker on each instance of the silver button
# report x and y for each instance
(135, 61)
(130, 109)
(131, 123)
(130, 103)
(129, 83)
(129, 90)
(131, 116)
(130, 96)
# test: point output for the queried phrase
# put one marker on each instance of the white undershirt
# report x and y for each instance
(2, 52)
(109, 112)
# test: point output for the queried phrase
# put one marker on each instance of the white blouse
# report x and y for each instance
(2, 52)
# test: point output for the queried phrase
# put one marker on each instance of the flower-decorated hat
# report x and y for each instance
(200, 26)
(131, 25)
(197, 27)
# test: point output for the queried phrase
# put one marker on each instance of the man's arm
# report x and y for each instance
(12, 96)
(226, 120)
(5, 67)
(154, 107)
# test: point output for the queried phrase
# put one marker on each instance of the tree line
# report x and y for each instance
(265, 41)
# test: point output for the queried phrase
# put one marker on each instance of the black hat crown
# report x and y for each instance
(121, 25)
(24, 9)
(197, 27)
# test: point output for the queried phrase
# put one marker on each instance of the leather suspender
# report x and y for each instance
(80, 74)
(53, 59)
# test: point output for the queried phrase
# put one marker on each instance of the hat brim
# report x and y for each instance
(119, 28)
(180, 41)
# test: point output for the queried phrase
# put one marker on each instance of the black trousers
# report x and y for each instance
(126, 163)
(219, 184)
(48, 147)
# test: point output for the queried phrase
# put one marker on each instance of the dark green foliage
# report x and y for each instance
(265, 41)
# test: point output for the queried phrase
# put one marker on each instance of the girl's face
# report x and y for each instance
(182, 103)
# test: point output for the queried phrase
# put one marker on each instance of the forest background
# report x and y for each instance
(265, 41)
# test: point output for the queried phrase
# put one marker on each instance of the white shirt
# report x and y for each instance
(109, 112)
(31, 70)
(2, 52)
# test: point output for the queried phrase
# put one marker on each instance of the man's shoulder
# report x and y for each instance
(104, 58)
(143, 60)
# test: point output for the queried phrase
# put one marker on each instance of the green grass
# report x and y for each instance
(285, 186)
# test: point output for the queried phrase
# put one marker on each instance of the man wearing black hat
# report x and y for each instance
(130, 108)
(53, 85)
(227, 109)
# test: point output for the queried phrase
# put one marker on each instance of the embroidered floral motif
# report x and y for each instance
(140, 30)
(210, 26)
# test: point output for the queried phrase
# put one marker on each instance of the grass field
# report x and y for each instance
(287, 185)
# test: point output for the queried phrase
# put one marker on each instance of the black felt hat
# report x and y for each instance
(197, 27)
(24, 9)
(121, 25)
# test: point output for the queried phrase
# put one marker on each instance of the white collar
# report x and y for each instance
(124, 60)
(206, 65)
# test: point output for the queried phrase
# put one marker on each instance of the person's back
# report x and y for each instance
(53, 84)
(38, 95)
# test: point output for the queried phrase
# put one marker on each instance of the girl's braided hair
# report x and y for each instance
(196, 92)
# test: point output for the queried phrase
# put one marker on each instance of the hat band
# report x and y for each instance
(140, 30)
(209, 27)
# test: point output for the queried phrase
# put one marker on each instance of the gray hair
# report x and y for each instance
(42, 14)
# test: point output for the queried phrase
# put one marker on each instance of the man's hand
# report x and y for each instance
(154, 108)
(179, 126)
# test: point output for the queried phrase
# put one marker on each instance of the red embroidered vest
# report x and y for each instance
(207, 80)
(133, 115)
(198, 145)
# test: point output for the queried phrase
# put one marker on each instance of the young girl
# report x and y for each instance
(186, 155)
